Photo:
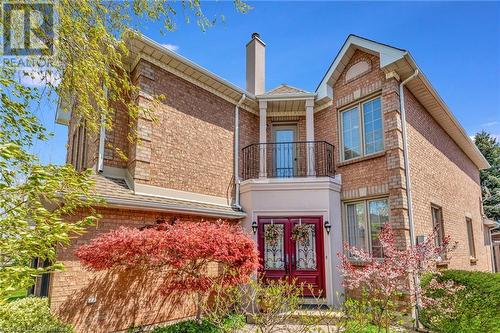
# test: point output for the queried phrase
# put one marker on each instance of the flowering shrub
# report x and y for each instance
(461, 301)
(384, 280)
(440, 300)
(184, 251)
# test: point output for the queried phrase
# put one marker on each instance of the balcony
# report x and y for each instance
(288, 159)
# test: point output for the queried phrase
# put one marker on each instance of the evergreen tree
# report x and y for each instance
(490, 178)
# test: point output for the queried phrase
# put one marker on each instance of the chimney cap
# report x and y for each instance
(256, 36)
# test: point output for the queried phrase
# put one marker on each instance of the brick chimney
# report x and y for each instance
(256, 65)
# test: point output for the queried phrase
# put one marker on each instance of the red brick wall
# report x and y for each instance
(116, 139)
(249, 133)
(367, 172)
(191, 146)
(443, 175)
(123, 298)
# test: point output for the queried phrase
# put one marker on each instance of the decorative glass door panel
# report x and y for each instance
(305, 248)
(291, 249)
(274, 246)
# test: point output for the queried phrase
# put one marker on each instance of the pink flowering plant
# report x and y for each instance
(440, 300)
(384, 281)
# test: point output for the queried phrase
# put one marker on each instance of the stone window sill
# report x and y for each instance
(361, 159)
(443, 263)
(361, 263)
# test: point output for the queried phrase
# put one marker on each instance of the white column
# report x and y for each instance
(311, 171)
(262, 138)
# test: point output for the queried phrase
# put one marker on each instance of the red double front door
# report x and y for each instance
(291, 249)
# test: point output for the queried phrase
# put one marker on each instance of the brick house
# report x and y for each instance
(373, 144)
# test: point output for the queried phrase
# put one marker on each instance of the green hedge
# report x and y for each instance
(30, 314)
(188, 326)
(476, 308)
(192, 326)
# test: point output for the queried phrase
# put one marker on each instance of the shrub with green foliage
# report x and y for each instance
(30, 314)
(231, 324)
(188, 326)
(473, 308)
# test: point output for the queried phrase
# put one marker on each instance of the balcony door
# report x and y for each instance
(290, 258)
(284, 155)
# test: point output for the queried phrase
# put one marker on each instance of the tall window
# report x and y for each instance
(470, 237)
(364, 219)
(362, 132)
(79, 147)
(437, 222)
(73, 149)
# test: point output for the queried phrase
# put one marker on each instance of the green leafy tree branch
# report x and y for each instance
(43, 206)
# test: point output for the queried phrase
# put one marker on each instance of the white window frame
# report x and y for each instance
(368, 229)
(361, 127)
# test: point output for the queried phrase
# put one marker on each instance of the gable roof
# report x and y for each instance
(285, 89)
(386, 53)
(143, 47)
(401, 62)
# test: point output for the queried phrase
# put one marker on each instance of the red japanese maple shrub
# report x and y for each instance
(184, 251)
(383, 280)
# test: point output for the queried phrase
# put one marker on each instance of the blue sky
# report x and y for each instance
(457, 45)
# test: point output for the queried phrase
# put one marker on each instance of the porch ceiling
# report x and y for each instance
(286, 108)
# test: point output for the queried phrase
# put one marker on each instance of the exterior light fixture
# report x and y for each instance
(328, 227)
(254, 227)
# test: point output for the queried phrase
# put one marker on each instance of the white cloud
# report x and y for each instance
(171, 47)
(37, 78)
(490, 123)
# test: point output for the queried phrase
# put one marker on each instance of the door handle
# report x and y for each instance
(286, 262)
(293, 261)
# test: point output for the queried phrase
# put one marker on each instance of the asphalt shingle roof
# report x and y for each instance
(115, 191)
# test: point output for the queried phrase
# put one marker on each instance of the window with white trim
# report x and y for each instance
(363, 221)
(362, 129)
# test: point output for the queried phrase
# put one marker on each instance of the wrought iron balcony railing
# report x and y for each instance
(288, 159)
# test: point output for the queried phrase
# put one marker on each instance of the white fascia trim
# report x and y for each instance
(120, 173)
(189, 63)
(285, 97)
(387, 54)
(481, 161)
(489, 223)
(190, 79)
(62, 117)
(161, 192)
(154, 206)
(284, 184)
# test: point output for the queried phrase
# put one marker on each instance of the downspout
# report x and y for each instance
(236, 164)
(102, 138)
(405, 156)
(409, 202)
